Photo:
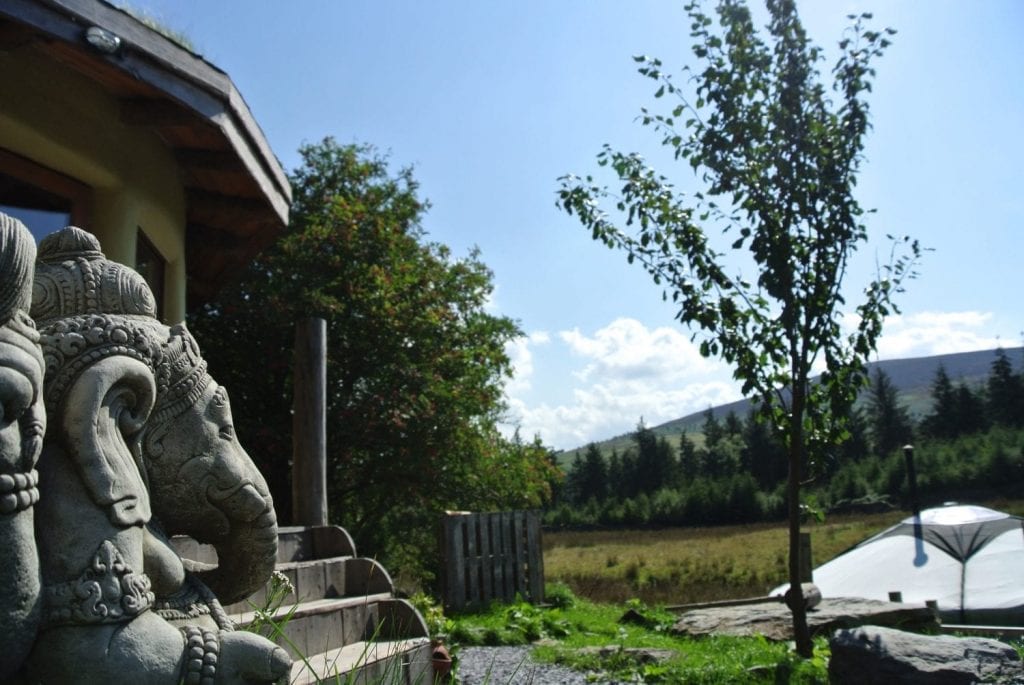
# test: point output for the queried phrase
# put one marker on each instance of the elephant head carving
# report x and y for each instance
(146, 426)
(102, 414)
(22, 422)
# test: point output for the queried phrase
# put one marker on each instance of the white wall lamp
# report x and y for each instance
(103, 40)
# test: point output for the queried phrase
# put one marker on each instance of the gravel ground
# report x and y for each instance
(512, 666)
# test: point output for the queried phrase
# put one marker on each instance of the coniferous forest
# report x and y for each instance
(969, 446)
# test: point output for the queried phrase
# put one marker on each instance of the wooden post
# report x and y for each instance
(536, 557)
(309, 424)
(454, 559)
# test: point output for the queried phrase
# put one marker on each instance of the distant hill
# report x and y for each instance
(913, 377)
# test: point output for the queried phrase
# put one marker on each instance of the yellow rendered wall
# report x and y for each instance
(59, 119)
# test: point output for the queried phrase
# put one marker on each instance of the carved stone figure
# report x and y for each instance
(22, 423)
(140, 447)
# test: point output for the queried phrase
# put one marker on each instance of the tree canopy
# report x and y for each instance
(890, 424)
(416, 363)
(779, 157)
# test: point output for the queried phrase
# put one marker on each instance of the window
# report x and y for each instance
(41, 198)
(151, 266)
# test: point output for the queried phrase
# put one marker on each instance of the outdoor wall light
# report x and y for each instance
(103, 40)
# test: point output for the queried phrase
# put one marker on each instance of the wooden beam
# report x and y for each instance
(14, 36)
(157, 113)
(203, 237)
(209, 160)
(237, 215)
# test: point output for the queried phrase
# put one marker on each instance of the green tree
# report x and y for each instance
(1005, 394)
(779, 158)
(733, 424)
(616, 476)
(888, 421)
(593, 482)
(763, 455)
(712, 429)
(630, 484)
(415, 366)
(573, 491)
(656, 466)
(689, 462)
(943, 420)
(856, 447)
(971, 414)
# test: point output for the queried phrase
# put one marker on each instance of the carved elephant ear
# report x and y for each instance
(100, 417)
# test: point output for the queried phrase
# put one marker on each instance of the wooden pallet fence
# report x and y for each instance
(491, 557)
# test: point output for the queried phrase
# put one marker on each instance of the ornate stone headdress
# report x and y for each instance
(88, 307)
(17, 253)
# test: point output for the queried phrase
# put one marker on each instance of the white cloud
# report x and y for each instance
(626, 349)
(628, 371)
(603, 411)
(519, 353)
(923, 334)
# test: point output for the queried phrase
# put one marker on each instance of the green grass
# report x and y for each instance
(563, 633)
(160, 26)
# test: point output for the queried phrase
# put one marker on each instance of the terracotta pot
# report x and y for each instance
(442, 662)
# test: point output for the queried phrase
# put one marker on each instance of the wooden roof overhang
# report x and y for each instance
(237, 195)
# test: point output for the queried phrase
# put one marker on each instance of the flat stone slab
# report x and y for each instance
(774, 620)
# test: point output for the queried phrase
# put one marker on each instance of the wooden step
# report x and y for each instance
(324, 578)
(312, 607)
(319, 625)
(405, 662)
(294, 543)
(342, 611)
(301, 543)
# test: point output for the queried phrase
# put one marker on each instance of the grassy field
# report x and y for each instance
(682, 565)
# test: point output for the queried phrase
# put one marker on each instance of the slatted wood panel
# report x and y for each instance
(491, 557)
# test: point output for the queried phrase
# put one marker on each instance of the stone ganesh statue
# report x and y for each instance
(139, 446)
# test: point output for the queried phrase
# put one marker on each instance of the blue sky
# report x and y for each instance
(492, 101)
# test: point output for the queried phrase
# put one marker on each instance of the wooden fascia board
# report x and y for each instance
(179, 74)
(279, 201)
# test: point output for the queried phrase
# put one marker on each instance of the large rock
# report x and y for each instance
(775, 621)
(872, 654)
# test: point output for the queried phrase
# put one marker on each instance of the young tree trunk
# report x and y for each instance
(801, 634)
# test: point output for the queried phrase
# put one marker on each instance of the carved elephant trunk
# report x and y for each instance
(246, 558)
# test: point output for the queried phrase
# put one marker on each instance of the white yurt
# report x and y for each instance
(969, 559)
